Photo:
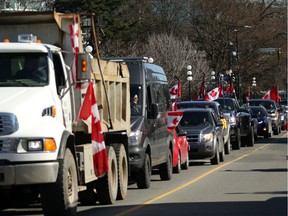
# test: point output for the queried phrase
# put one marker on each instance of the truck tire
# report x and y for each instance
(107, 185)
(177, 169)
(236, 145)
(185, 165)
(165, 169)
(143, 178)
(61, 197)
(122, 164)
(227, 147)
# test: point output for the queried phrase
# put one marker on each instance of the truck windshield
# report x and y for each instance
(136, 100)
(23, 69)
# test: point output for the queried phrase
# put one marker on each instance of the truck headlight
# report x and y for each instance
(207, 137)
(135, 137)
(33, 145)
(232, 120)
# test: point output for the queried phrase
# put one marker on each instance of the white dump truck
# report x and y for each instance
(44, 148)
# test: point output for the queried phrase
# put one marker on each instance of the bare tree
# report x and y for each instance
(174, 55)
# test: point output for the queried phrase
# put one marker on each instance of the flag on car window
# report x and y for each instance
(89, 112)
(272, 94)
(214, 94)
(175, 91)
(174, 118)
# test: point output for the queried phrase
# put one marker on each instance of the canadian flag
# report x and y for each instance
(201, 91)
(214, 94)
(272, 94)
(74, 36)
(89, 111)
(174, 118)
(174, 106)
(231, 88)
(175, 91)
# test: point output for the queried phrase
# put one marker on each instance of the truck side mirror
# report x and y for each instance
(153, 113)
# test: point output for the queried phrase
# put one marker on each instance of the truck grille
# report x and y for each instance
(193, 138)
(8, 123)
(6, 145)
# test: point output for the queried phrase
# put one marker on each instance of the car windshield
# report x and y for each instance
(227, 105)
(23, 69)
(192, 119)
(269, 105)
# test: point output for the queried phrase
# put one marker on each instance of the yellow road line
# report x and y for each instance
(188, 183)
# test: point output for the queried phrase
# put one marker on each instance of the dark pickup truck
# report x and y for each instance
(241, 125)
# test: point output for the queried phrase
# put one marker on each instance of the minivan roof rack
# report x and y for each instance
(130, 59)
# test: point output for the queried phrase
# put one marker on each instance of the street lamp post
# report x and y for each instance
(236, 54)
(213, 78)
(254, 84)
(189, 78)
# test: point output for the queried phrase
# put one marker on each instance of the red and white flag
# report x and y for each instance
(214, 94)
(174, 117)
(201, 91)
(74, 36)
(89, 111)
(175, 91)
(174, 106)
(231, 88)
(272, 94)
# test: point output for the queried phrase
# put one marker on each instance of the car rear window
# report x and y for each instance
(195, 119)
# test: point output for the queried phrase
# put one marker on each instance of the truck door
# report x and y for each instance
(63, 85)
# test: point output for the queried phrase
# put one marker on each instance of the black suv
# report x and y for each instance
(273, 111)
(241, 126)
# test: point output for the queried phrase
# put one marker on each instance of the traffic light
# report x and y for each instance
(234, 79)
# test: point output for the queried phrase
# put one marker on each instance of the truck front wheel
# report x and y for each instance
(61, 197)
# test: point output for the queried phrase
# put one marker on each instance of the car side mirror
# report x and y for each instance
(154, 110)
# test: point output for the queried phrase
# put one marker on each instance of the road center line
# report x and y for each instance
(188, 183)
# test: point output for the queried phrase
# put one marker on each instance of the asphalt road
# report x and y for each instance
(250, 182)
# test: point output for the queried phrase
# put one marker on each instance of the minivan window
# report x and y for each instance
(136, 95)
